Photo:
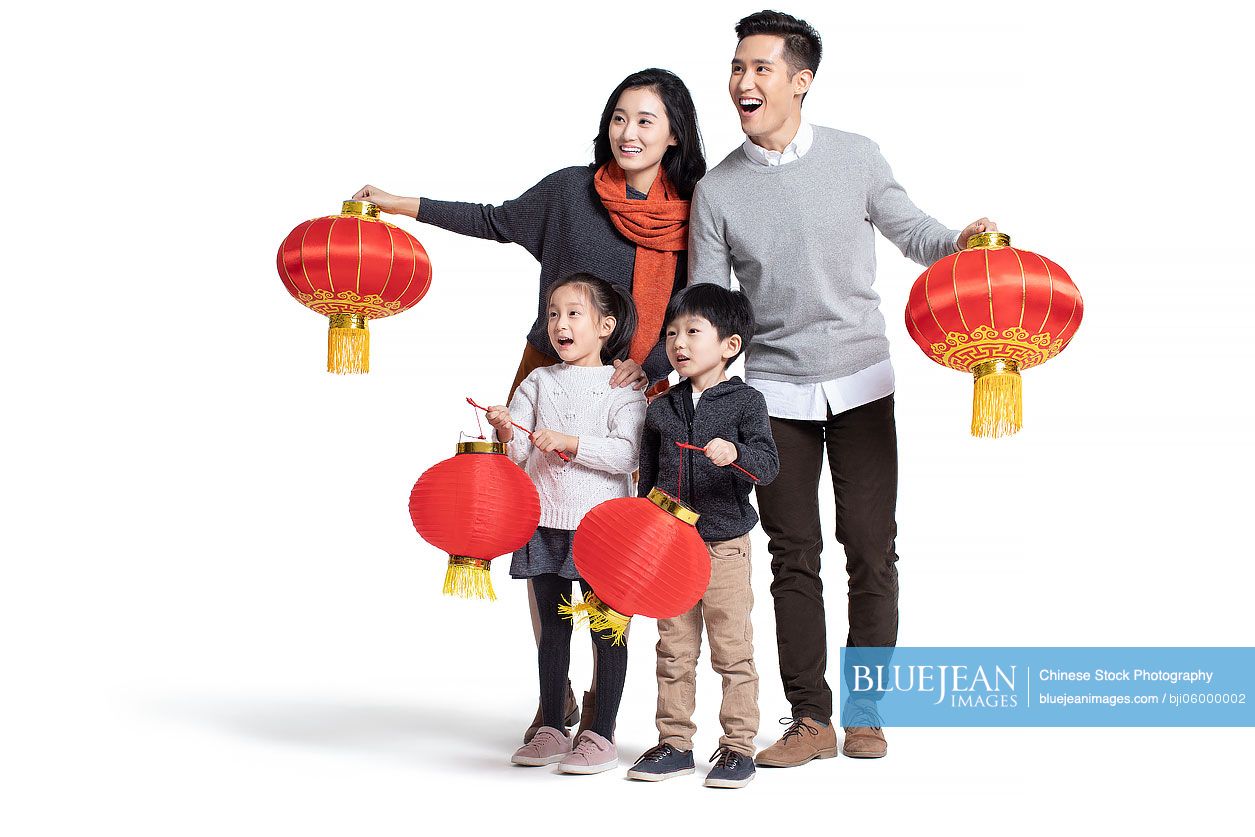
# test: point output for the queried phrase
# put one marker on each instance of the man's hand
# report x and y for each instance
(721, 452)
(394, 204)
(980, 225)
(499, 418)
(629, 372)
(550, 440)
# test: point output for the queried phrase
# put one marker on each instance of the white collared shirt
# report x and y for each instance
(800, 145)
(814, 401)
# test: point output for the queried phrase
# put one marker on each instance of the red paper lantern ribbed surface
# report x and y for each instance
(476, 506)
(353, 268)
(994, 311)
(640, 556)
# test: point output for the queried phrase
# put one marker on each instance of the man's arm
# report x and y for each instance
(921, 238)
(709, 257)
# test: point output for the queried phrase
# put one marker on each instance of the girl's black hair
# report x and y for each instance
(684, 162)
(608, 301)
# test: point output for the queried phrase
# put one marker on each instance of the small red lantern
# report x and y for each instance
(352, 267)
(641, 556)
(476, 506)
(993, 311)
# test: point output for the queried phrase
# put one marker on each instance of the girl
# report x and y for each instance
(624, 218)
(571, 407)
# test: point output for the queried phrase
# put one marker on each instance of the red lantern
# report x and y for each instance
(476, 506)
(994, 311)
(640, 556)
(352, 267)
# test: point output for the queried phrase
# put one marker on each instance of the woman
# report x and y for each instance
(624, 219)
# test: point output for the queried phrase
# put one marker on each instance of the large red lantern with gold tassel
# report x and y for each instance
(476, 506)
(640, 556)
(353, 268)
(994, 311)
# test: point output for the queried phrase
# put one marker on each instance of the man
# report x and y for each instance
(792, 212)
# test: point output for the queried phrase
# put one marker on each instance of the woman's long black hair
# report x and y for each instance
(684, 162)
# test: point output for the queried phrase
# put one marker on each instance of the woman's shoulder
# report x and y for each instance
(569, 178)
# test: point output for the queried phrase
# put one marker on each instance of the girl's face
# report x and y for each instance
(639, 135)
(576, 331)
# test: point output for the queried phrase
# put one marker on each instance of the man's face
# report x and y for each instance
(760, 85)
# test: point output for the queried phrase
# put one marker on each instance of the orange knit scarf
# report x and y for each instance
(658, 226)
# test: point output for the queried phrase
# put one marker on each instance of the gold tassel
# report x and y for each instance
(599, 617)
(468, 578)
(997, 399)
(348, 344)
(575, 613)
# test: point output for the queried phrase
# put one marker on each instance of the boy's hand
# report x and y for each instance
(629, 373)
(721, 452)
(499, 418)
(549, 440)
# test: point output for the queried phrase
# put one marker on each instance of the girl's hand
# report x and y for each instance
(499, 418)
(550, 440)
(386, 202)
(721, 452)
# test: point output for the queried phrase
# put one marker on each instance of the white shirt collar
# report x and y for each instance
(801, 143)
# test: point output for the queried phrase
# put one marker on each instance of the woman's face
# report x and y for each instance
(640, 134)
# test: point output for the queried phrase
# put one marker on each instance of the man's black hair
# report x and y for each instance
(802, 46)
(728, 311)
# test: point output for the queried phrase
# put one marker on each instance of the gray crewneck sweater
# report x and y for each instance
(800, 239)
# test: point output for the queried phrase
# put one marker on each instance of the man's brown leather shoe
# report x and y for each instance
(864, 743)
(802, 741)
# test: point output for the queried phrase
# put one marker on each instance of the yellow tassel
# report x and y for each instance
(603, 618)
(576, 613)
(997, 400)
(468, 578)
(348, 344)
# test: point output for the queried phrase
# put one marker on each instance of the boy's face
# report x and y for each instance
(694, 347)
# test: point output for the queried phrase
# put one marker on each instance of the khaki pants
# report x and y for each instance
(725, 610)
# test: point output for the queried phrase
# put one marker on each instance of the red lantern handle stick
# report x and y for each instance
(733, 464)
(562, 455)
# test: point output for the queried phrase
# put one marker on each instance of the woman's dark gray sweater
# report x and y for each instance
(563, 224)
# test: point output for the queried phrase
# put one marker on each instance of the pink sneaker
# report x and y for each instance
(592, 754)
(547, 746)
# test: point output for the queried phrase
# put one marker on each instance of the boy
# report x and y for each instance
(707, 327)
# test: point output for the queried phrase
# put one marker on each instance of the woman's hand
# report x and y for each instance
(499, 418)
(629, 373)
(978, 226)
(393, 204)
(721, 452)
(549, 440)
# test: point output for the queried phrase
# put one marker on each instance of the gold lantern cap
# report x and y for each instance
(365, 210)
(988, 241)
(480, 446)
(673, 506)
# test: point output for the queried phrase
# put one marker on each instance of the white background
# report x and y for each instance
(217, 618)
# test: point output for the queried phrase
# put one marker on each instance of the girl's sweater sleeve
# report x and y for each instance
(756, 447)
(523, 411)
(618, 450)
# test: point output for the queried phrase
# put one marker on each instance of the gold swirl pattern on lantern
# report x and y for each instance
(348, 302)
(962, 351)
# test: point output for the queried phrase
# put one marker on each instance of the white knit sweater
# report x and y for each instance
(578, 401)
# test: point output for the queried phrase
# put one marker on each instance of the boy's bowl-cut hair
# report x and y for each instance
(728, 311)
